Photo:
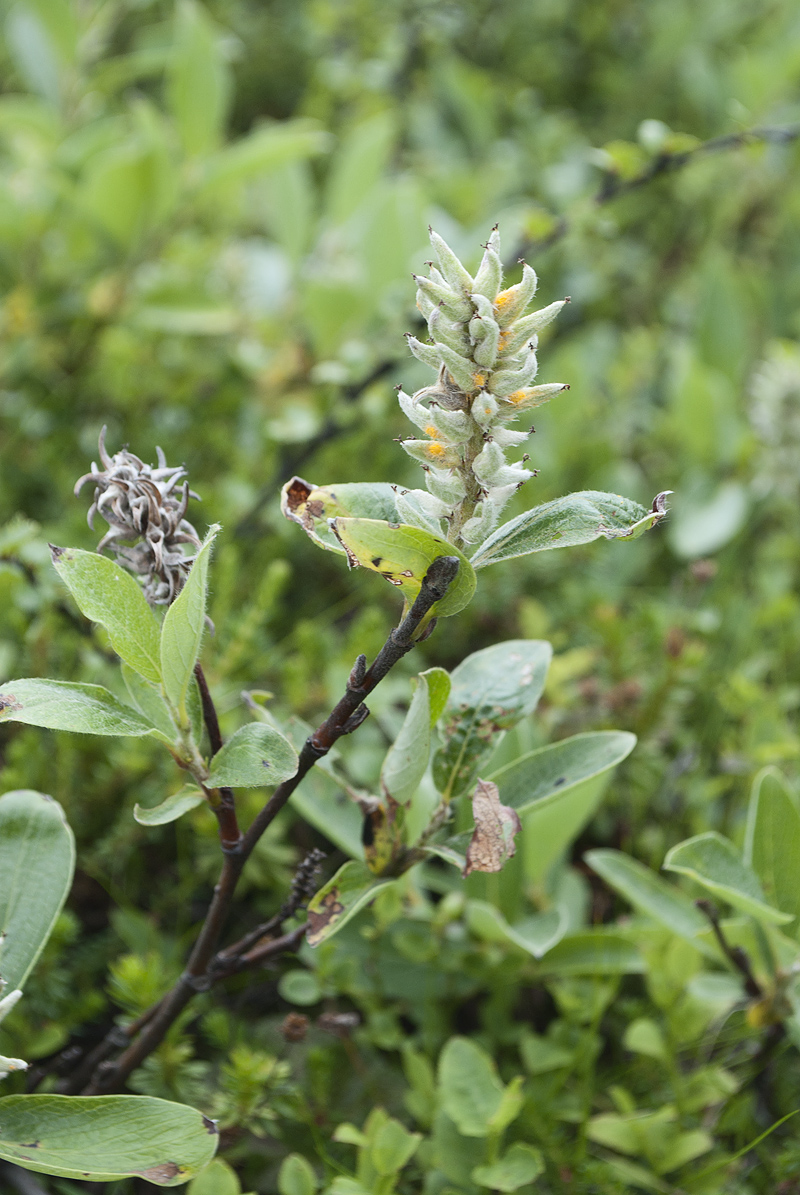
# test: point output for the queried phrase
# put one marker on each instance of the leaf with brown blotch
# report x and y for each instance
(492, 839)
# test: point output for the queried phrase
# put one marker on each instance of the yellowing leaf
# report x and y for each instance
(403, 556)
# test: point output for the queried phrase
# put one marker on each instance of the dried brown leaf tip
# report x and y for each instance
(147, 503)
(492, 841)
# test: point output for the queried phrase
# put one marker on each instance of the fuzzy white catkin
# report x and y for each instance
(483, 347)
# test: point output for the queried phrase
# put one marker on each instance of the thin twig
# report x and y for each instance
(612, 187)
(734, 954)
(348, 714)
(225, 806)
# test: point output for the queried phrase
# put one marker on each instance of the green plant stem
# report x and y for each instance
(346, 717)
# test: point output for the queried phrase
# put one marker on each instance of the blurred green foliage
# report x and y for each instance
(208, 219)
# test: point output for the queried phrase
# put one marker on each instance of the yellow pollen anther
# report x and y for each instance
(502, 298)
(436, 450)
(517, 396)
(431, 431)
(479, 379)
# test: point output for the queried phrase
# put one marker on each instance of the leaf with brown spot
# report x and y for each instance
(311, 506)
(332, 907)
(106, 1138)
(492, 690)
(492, 841)
(161, 1174)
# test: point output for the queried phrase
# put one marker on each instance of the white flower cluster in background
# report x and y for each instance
(484, 351)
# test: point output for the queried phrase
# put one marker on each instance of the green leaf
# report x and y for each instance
(772, 841)
(651, 895)
(593, 952)
(312, 506)
(535, 934)
(182, 631)
(296, 1176)
(471, 1091)
(255, 756)
(103, 1138)
(520, 1165)
(403, 556)
(575, 519)
(340, 899)
(199, 84)
(37, 859)
(299, 987)
(439, 685)
(407, 759)
(320, 800)
(62, 705)
(217, 1178)
(110, 596)
(643, 1036)
(189, 797)
(358, 165)
(129, 188)
(491, 690)
(149, 702)
(510, 1106)
(558, 788)
(392, 1147)
(264, 150)
(715, 863)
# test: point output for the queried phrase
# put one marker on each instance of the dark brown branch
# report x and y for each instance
(209, 710)
(348, 714)
(301, 892)
(224, 805)
(734, 954)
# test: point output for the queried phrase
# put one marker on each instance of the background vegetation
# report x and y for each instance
(208, 220)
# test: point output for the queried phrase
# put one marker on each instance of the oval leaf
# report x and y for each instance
(535, 934)
(558, 789)
(255, 756)
(471, 1091)
(62, 705)
(547, 774)
(110, 596)
(183, 627)
(713, 861)
(407, 759)
(574, 519)
(403, 556)
(37, 859)
(651, 895)
(490, 692)
(772, 841)
(593, 952)
(171, 809)
(520, 1166)
(149, 702)
(104, 1138)
(340, 899)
